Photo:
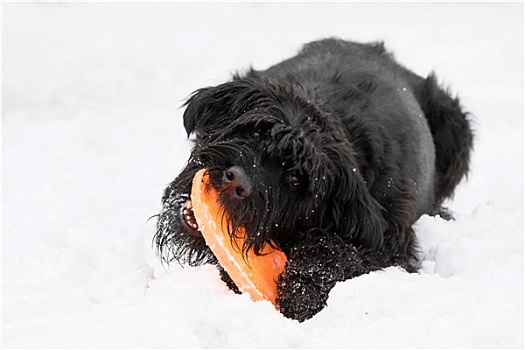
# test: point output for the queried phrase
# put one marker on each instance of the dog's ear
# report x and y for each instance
(366, 218)
(356, 214)
(195, 108)
(210, 108)
(352, 210)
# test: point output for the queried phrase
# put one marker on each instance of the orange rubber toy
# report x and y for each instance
(257, 275)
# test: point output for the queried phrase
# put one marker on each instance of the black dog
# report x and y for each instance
(329, 156)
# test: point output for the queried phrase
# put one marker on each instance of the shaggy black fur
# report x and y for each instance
(330, 156)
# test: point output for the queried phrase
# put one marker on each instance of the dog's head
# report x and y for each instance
(283, 168)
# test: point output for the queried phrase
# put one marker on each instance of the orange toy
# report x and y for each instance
(257, 275)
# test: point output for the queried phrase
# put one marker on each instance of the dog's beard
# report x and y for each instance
(175, 241)
(273, 209)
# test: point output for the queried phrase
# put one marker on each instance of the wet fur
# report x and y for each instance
(374, 147)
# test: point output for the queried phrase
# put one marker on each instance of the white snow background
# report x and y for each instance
(92, 133)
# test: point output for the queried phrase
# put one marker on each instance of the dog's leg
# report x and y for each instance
(312, 270)
(320, 261)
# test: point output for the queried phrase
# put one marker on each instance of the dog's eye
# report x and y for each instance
(295, 180)
(256, 134)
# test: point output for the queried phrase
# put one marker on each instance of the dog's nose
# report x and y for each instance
(236, 182)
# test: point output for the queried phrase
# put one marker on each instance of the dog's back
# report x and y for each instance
(362, 83)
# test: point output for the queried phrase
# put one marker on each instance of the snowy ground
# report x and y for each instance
(92, 134)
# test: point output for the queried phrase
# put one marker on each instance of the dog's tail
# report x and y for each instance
(452, 133)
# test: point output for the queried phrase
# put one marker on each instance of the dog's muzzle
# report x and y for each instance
(235, 183)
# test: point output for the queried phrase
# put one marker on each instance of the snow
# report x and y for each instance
(92, 133)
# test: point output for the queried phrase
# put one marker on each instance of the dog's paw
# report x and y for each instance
(312, 270)
(444, 213)
(299, 298)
